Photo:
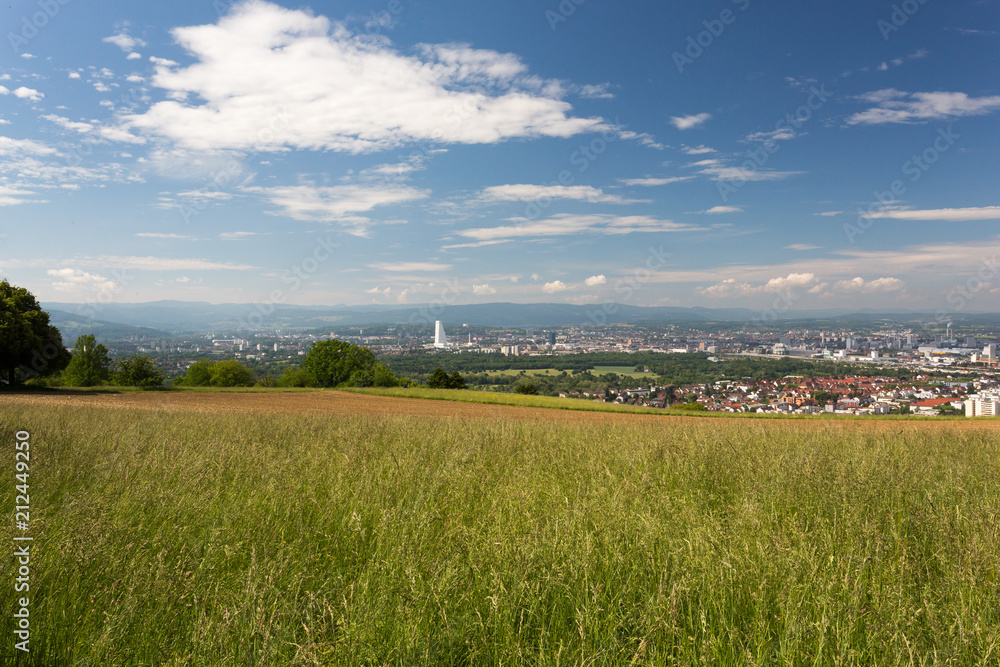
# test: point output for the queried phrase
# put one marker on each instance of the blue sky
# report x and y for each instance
(727, 153)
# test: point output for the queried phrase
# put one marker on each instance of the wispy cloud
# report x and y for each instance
(568, 224)
(653, 182)
(530, 193)
(942, 214)
(894, 106)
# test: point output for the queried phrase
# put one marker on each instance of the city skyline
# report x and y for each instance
(733, 154)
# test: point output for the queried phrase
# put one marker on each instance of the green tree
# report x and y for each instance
(333, 362)
(89, 365)
(438, 380)
(231, 373)
(456, 381)
(137, 371)
(383, 377)
(29, 345)
(527, 388)
(296, 377)
(199, 374)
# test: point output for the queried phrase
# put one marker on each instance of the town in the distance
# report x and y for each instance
(866, 367)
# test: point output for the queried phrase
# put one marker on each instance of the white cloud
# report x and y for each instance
(596, 92)
(158, 235)
(10, 196)
(74, 75)
(894, 106)
(483, 290)
(728, 288)
(690, 122)
(830, 214)
(716, 210)
(236, 236)
(718, 171)
(653, 182)
(867, 287)
(801, 246)
(401, 267)
(24, 93)
(124, 41)
(594, 281)
(566, 224)
(791, 282)
(337, 203)
(532, 193)
(783, 134)
(273, 78)
(943, 214)
(553, 287)
(72, 280)
(376, 290)
(697, 150)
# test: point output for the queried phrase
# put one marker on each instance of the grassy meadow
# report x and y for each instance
(165, 537)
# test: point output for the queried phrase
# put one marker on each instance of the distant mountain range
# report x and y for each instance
(155, 318)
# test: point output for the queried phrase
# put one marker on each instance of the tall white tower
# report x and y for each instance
(440, 338)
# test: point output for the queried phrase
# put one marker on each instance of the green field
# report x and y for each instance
(628, 371)
(183, 538)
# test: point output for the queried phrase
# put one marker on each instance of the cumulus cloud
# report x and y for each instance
(553, 287)
(72, 280)
(23, 92)
(894, 106)
(483, 290)
(860, 285)
(594, 281)
(690, 122)
(728, 288)
(716, 210)
(271, 78)
(791, 283)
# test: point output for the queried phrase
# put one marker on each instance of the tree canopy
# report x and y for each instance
(29, 345)
(89, 365)
(334, 362)
(208, 373)
(137, 371)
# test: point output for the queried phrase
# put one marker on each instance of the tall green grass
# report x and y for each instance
(166, 538)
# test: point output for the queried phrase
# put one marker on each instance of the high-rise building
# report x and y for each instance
(440, 338)
(552, 337)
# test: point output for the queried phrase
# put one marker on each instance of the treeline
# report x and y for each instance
(676, 369)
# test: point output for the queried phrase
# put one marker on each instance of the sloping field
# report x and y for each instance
(341, 403)
(330, 528)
